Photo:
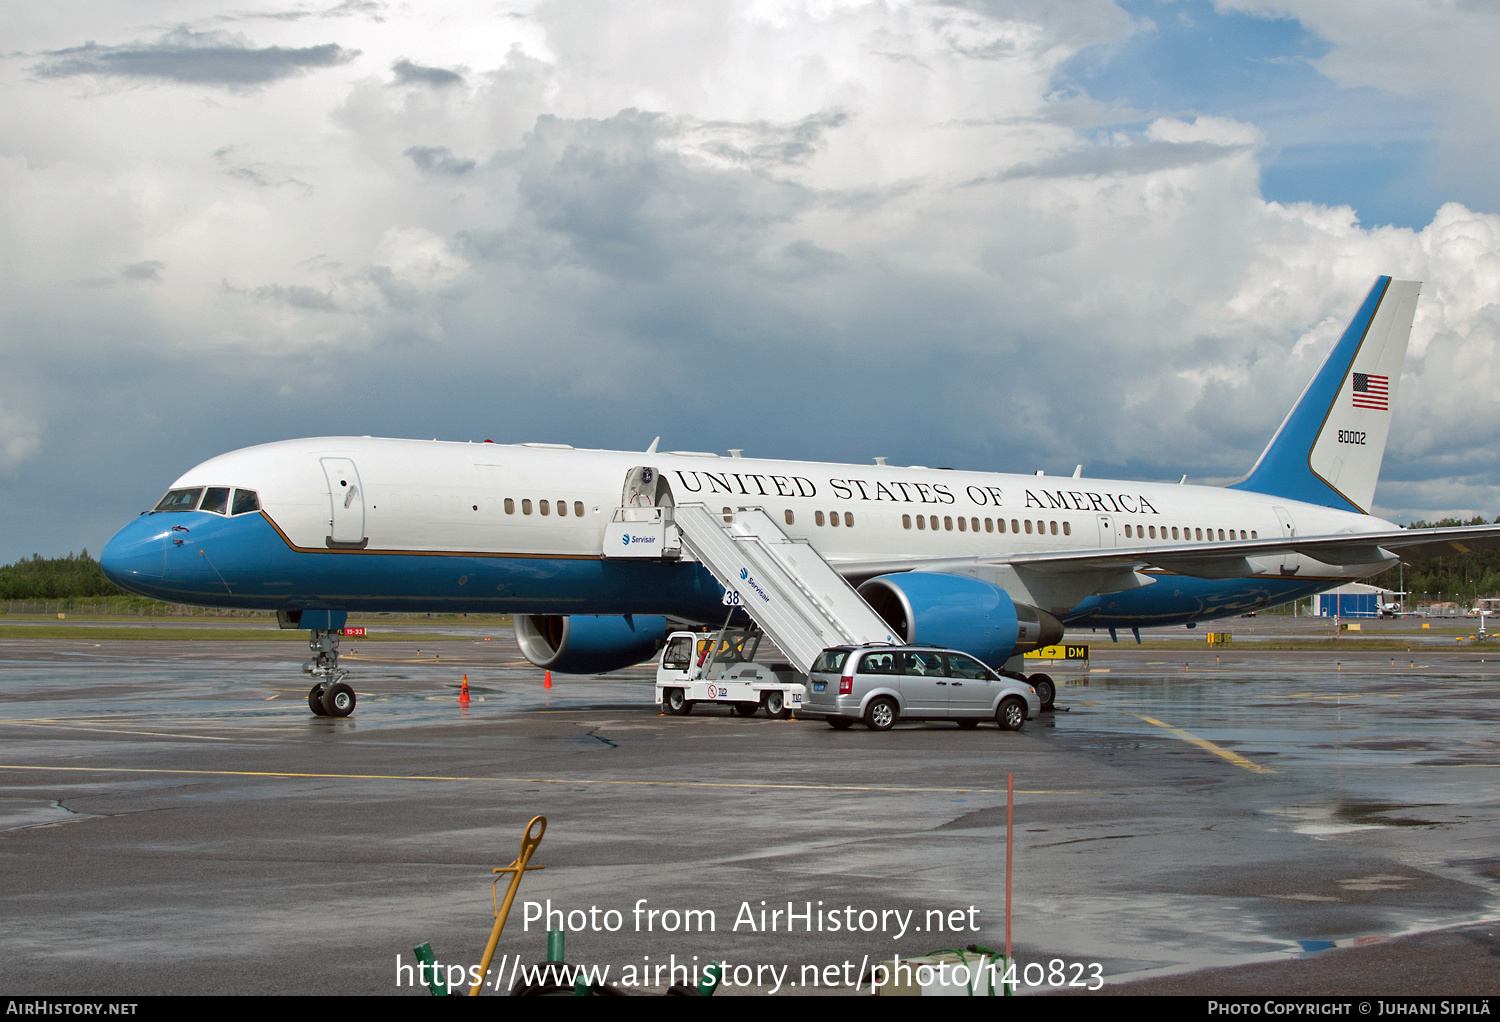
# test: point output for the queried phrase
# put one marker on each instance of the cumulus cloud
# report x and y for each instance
(408, 73)
(191, 57)
(620, 203)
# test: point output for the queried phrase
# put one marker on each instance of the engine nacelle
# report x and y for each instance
(584, 644)
(960, 612)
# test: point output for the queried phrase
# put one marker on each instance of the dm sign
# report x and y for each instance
(1059, 653)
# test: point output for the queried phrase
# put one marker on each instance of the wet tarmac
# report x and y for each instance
(173, 820)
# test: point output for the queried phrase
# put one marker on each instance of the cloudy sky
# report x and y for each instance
(990, 234)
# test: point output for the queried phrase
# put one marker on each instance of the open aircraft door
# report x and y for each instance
(646, 487)
(346, 496)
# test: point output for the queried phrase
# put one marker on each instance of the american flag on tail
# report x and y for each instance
(1372, 392)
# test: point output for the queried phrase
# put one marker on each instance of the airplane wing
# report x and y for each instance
(1223, 559)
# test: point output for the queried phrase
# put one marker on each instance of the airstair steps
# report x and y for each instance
(787, 588)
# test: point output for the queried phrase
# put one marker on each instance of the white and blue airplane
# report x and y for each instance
(315, 529)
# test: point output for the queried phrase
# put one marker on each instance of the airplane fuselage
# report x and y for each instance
(368, 524)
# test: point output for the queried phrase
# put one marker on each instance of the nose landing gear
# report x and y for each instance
(330, 696)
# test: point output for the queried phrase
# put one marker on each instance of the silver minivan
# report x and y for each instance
(880, 685)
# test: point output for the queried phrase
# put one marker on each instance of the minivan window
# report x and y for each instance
(923, 663)
(962, 666)
(878, 663)
(830, 661)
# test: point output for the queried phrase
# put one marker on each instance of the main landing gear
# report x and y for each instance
(330, 696)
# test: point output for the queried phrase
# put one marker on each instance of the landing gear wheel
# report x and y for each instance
(775, 704)
(881, 715)
(1011, 714)
(746, 709)
(840, 723)
(968, 724)
(338, 701)
(315, 699)
(1046, 691)
(676, 702)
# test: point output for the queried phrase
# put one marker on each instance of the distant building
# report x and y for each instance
(1356, 599)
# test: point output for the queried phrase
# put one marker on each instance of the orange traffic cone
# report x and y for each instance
(548, 682)
(463, 693)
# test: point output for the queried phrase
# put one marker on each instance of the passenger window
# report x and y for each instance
(932, 520)
(245, 501)
(974, 524)
(526, 506)
(817, 518)
(1028, 526)
(1153, 532)
(921, 521)
(1174, 532)
(963, 525)
(1000, 524)
(848, 519)
(923, 664)
(906, 521)
(1221, 533)
(1127, 532)
(961, 666)
(878, 663)
(544, 508)
(948, 522)
(562, 509)
(578, 508)
(790, 518)
(833, 518)
(215, 499)
(1067, 528)
(1254, 534)
(180, 500)
(510, 506)
(1015, 525)
(989, 525)
(1054, 528)
(1199, 533)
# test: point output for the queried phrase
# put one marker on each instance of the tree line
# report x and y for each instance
(55, 578)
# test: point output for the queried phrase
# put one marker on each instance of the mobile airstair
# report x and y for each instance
(786, 587)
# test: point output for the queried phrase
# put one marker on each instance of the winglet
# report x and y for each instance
(1329, 448)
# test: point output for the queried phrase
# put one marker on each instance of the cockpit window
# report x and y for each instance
(180, 500)
(245, 500)
(215, 499)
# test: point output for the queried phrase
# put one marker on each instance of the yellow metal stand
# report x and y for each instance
(519, 866)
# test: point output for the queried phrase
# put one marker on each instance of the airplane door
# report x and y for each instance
(346, 523)
(646, 487)
(1290, 563)
(1106, 530)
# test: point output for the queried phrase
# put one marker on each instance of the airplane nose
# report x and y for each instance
(136, 556)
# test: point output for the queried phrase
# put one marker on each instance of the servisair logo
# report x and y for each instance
(749, 580)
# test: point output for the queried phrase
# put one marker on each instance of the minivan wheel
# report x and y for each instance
(881, 715)
(840, 723)
(1011, 714)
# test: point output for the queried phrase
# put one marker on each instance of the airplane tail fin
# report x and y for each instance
(1329, 448)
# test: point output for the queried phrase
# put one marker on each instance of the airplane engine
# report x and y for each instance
(585, 644)
(959, 612)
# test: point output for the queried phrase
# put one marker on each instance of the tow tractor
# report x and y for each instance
(697, 667)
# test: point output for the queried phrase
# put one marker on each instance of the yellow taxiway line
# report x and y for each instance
(1203, 743)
